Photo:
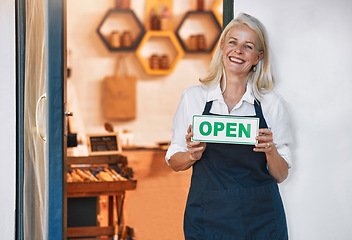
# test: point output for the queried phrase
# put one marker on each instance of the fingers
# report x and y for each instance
(189, 134)
(196, 151)
(264, 147)
(193, 145)
(195, 148)
(265, 141)
(189, 142)
(189, 128)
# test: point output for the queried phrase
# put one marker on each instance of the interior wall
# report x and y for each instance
(90, 60)
(8, 119)
(311, 50)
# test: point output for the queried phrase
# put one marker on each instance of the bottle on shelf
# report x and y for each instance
(200, 5)
(201, 44)
(164, 62)
(155, 21)
(165, 19)
(154, 62)
(126, 39)
(122, 4)
(115, 39)
(126, 4)
(193, 43)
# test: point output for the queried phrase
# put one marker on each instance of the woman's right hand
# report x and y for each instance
(195, 148)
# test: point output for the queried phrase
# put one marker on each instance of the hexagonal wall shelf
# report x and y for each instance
(121, 30)
(217, 10)
(205, 38)
(155, 45)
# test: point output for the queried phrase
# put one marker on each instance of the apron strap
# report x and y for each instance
(207, 108)
(257, 107)
(259, 114)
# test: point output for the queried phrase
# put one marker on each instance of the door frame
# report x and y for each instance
(56, 77)
(20, 31)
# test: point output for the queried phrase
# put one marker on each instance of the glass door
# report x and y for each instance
(35, 135)
(41, 119)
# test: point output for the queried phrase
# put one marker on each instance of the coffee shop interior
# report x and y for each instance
(128, 63)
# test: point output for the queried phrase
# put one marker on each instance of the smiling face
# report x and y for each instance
(239, 50)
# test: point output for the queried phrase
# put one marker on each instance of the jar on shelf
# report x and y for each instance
(165, 17)
(125, 4)
(164, 62)
(122, 4)
(126, 39)
(164, 24)
(115, 39)
(155, 22)
(154, 62)
(200, 5)
(193, 43)
(201, 42)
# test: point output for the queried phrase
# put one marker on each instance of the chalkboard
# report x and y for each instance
(99, 144)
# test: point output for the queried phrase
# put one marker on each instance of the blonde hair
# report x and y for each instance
(261, 79)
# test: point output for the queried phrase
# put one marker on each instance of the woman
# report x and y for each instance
(234, 192)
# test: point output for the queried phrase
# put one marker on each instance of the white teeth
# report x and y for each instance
(236, 60)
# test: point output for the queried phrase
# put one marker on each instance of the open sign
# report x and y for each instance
(225, 129)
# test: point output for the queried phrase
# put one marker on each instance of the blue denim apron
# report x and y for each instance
(232, 195)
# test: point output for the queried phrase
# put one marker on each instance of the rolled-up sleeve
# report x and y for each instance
(280, 126)
(180, 124)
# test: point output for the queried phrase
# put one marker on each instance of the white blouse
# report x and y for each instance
(193, 102)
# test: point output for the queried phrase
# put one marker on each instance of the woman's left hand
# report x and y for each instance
(277, 165)
(265, 141)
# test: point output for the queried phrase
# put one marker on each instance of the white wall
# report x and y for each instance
(8, 119)
(311, 51)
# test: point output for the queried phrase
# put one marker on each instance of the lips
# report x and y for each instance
(236, 60)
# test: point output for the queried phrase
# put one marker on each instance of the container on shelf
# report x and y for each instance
(164, 62)
(122, 4)
(154, 62)
(201, 43)
(200, 5)
(115, 39)
(126, 39)
(193, 43)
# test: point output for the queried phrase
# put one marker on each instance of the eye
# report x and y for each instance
(249, 47)
(233, 42)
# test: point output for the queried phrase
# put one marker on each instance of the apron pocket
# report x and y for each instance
(245, 213)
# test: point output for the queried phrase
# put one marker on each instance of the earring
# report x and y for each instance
(254, 68)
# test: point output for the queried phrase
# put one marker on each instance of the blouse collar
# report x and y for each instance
(216, 94)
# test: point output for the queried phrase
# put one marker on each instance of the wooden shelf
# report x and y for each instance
(89, 189)
(159, 42)
(74, 232)
(121, 20)
(217, 10)
(206, 24)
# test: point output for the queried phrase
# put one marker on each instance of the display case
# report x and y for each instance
(95, 176)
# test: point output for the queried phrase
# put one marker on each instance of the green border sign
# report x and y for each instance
(225, 129)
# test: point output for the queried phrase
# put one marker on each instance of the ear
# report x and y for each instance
(221, 44)
(259, 57)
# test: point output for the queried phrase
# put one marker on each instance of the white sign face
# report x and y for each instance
(225, 129)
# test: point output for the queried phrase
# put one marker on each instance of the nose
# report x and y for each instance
(238, 50)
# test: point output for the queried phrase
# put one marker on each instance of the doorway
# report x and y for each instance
(55, 102)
